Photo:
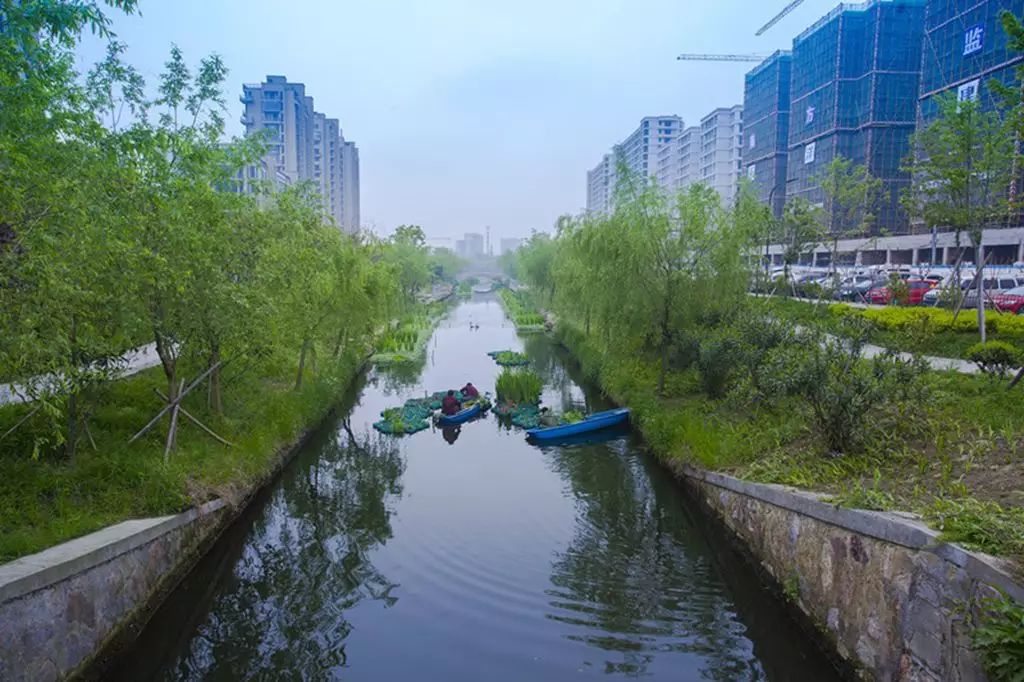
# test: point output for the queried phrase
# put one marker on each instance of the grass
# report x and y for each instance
(48, 500)
(957, 459)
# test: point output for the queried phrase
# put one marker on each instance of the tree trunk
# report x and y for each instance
(216, 403)
(71, 446)
(338, 343)
(666, 337)
(302, 365)
(981, 291)
(169, 363)
(312, 359)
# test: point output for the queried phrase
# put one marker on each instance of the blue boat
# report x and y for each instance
(598, 420)
(460, 416)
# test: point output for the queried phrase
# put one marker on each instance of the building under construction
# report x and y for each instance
(965, 49)
(855, 79)
(766, 128)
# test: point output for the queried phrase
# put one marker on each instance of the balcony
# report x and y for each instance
(246, 97)
(247, 120)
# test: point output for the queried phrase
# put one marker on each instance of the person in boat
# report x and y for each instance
(469, 390)
(450, 404)
(548, 418)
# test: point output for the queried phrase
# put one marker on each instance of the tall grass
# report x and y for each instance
(519, 386)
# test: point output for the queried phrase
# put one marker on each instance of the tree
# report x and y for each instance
(962, 167)
(800, 230)
(850, 196)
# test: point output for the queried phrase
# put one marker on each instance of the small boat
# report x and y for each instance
(461, 416)
(598, 420)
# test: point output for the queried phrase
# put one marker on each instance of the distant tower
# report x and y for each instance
(488, 248)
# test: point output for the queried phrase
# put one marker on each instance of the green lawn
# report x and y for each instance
(46, 500)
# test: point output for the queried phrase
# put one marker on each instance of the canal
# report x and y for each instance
(470, 555)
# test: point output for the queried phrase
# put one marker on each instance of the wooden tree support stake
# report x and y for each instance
(172, 405)
(189, 415)
(173, 430)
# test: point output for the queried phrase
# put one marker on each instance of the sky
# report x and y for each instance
(469, 113)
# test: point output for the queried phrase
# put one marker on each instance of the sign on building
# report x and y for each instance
(810, 114)
(751, 171)
(753, 140)
(974, 39)
(968, 91)
(809, 153)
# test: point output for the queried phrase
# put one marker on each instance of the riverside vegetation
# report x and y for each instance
(120, 227)
(652, 301)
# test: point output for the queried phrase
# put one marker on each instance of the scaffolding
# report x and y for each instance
(766, 128)
(855, 79)
(965, 49)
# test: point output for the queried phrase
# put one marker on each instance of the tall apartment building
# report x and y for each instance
(854, 75)
(286, 112)
(766, 128)
(600, 185)
(688, 157)
(349, 172)
(721, 151)
(965, 49)
(304, 145)
(639, 152)
(327, 165)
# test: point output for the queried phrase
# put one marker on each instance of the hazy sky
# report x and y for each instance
(470, 113)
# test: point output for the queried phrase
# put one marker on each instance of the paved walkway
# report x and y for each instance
(138, 360)
(870, 351)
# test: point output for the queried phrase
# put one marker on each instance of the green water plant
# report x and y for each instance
(518, 386)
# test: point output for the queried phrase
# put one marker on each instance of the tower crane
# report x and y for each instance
(780, 16)
(722, 57)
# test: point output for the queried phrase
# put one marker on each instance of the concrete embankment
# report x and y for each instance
(890, 596)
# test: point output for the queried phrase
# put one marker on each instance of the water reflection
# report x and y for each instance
(305, 562)
(451, 434)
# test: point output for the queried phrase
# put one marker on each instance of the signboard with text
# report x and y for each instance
(974, 39)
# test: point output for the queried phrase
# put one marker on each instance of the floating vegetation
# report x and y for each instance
(509, 358)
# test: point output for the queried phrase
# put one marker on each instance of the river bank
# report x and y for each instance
(863, 578)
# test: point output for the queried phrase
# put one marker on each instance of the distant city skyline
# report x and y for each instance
(468, 114)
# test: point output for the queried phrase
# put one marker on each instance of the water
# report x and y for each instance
(470, 555)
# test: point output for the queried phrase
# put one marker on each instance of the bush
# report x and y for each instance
(995, 358)
(715, 361)
(684, 351)
(843, 389)
(757, 337)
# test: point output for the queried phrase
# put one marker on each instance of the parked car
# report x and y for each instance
(943, 293)
(916, 289)
(1011, 301)
(856, 288)
(992, 287)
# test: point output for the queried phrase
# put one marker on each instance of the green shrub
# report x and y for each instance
(518, 386)
(998, 639)
(995, 358)
(842, 389)
(715, 361)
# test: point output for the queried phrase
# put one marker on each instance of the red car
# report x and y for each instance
(1011, 301)
(916, 291)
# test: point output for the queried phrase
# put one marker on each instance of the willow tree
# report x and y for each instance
(679, 259)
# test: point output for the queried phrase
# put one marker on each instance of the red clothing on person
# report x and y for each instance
(450, 405)
(470, 391)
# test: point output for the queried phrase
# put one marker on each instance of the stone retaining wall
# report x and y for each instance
(59, 607)
(881, 586)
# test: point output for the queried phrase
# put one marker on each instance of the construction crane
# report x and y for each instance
(780, 16)
(722, 57)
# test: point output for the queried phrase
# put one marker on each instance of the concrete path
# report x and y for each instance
(138, 360)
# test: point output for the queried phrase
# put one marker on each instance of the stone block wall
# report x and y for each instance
(880, 586)
(58, 608)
